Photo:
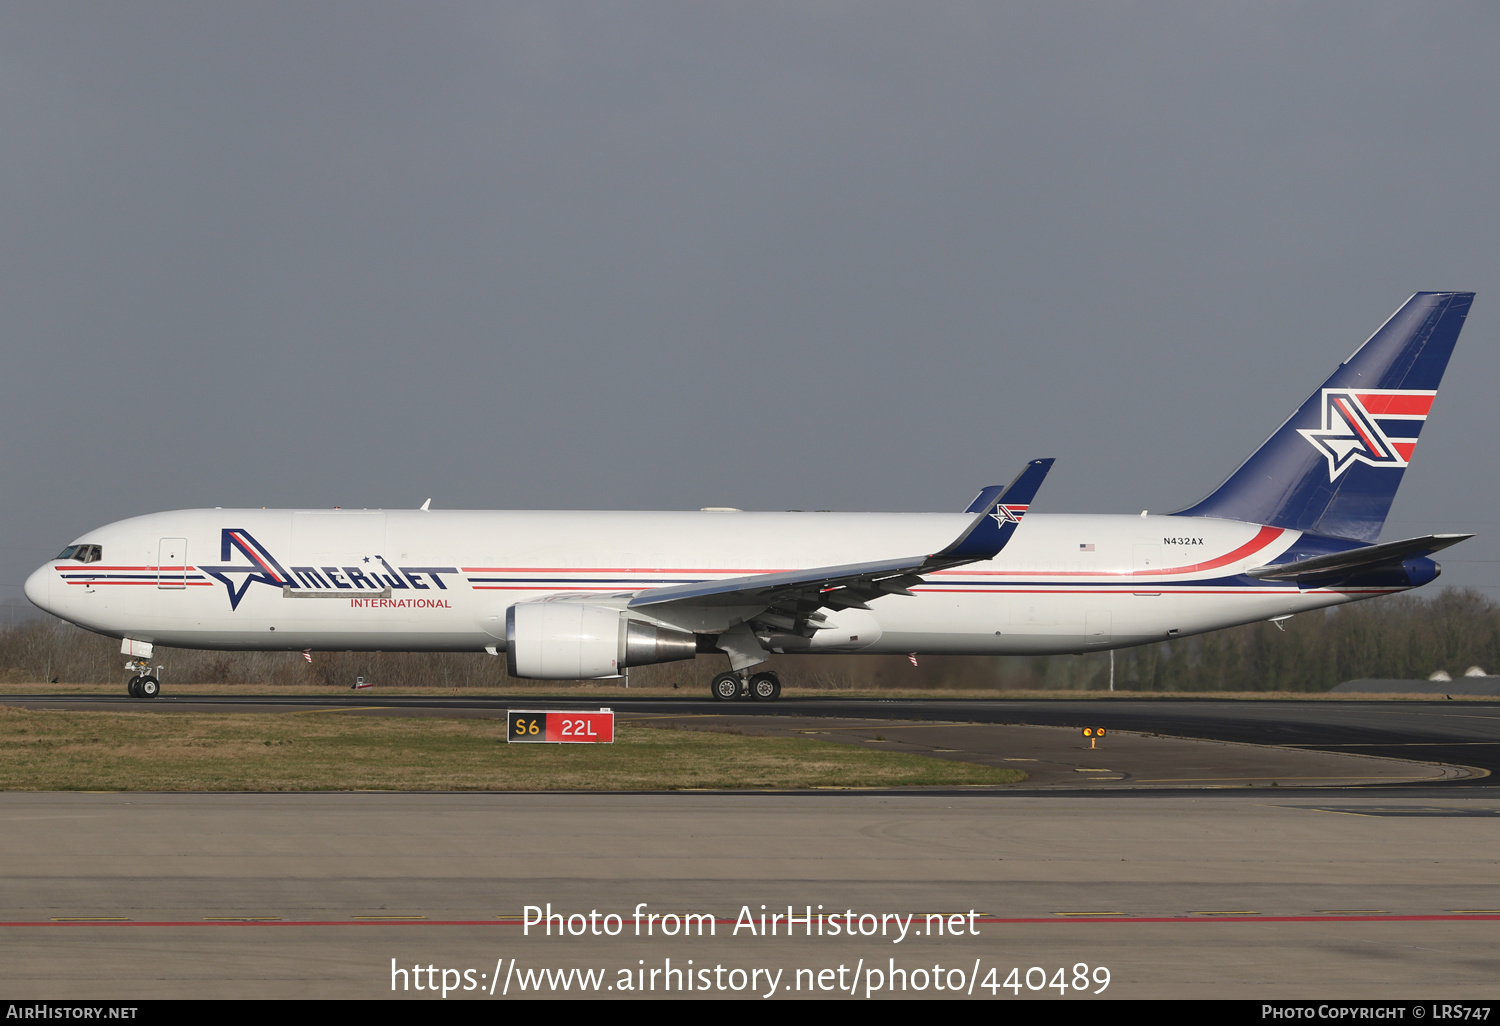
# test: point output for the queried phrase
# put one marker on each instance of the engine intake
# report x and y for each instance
(573, 641)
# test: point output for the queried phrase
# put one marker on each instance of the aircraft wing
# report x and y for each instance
(799, 593)
(1353, 561)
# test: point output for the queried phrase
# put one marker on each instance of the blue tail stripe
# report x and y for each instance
(1318, 473)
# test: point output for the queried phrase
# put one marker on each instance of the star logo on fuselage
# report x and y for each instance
(260, 567)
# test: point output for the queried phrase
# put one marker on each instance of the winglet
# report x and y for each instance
(999, 514)
(985, 501)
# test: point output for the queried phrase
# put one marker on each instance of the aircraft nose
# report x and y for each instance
(39, 588)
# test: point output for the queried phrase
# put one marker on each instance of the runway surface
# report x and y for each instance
(1202, 895)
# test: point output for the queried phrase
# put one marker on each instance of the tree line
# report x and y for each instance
(1408, 636)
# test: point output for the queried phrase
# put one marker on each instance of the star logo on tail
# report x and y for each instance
(1376, 427)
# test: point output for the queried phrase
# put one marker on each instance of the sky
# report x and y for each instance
(806, 255)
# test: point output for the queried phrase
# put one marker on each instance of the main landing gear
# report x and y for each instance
(763, 687)
(143, 684)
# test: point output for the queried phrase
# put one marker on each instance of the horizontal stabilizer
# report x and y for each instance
(1353, 561)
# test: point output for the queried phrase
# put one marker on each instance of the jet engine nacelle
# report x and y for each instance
(573, 641)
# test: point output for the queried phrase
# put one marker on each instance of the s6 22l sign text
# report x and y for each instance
(560, 727)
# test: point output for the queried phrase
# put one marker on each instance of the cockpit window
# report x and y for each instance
(82, 553)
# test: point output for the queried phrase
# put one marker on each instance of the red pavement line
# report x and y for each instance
(729, 922)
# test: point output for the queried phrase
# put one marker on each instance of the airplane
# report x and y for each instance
(585, 595)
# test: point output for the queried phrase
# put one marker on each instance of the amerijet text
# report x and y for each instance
(893, 926)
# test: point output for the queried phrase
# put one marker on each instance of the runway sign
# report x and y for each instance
(560, 727)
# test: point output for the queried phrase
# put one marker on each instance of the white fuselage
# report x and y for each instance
(318, 579)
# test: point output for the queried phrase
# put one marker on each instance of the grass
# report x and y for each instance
(45, 750)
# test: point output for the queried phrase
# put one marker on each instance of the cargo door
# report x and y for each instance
(338, 551)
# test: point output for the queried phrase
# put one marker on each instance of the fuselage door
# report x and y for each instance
(171, 563)
(1147, 564)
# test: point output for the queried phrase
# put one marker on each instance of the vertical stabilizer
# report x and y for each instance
(1333, 468)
